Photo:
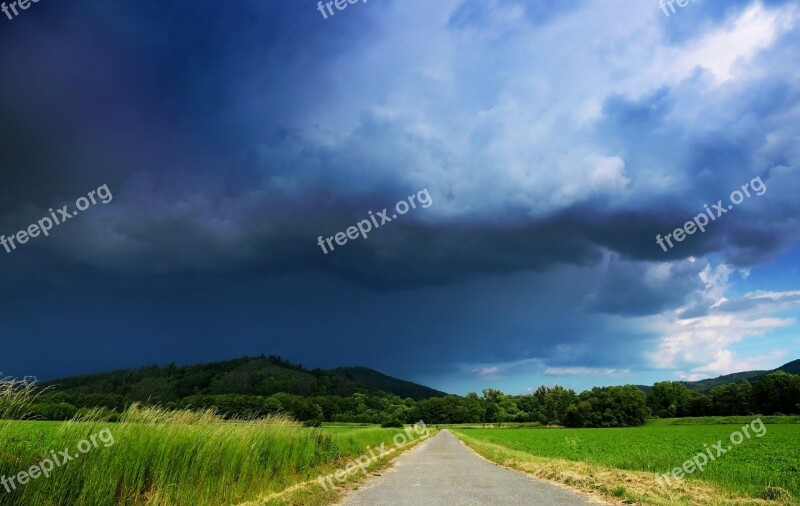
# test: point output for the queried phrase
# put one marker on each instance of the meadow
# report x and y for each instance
(155, 456)
(180, 458)
(767, 467)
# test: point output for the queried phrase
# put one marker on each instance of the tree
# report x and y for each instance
(556, 402)
(731, 399)
(669, 399)
(777, 392)
(624, 406)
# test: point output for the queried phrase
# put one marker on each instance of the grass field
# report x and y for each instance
(724, 420)
(179, 458)
(754, 468)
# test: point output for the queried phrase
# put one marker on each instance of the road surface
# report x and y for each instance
(444, 472)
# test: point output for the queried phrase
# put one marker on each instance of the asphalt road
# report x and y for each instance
(444, 472)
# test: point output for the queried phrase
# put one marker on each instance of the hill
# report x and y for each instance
(707, 384)
(792, 367)
(256, 386)
(262, 376)
(380, 381)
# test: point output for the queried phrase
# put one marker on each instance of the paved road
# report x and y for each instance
(444, 472)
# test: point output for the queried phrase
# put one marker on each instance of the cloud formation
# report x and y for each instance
(557, 140)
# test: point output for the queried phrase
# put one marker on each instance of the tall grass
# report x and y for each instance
(15, 398)
(168, 458)
(172, 458)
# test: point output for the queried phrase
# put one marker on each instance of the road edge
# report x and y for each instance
(591, 496)
(309, 493)
(612, 485)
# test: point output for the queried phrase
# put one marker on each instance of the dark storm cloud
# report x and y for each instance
(92, 91)
(747, 140)
(639, 289)
(256, 197)
(233, 136)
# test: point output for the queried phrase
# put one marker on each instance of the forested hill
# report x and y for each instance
(252, 387)
(247, 376)
(707, 384)
(382, 382)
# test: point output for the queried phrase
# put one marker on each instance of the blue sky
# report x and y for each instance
(556, 141)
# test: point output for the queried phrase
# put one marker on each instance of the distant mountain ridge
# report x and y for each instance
(247, 376)
(705, 385)
(269, 375)
(380, 381)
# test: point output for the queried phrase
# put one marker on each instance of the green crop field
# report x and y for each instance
(772, 460)
(178, 458)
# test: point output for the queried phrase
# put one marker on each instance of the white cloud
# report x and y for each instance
(608, 174)
(719, 52)
(585, 371)
(701, 346)
(506, 113)
(535, 366)
(726, 362)
(487, 372)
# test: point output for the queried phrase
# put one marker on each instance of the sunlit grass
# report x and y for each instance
(174, 457)
(758, 467)
(15, 398)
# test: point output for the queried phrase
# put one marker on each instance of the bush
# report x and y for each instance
(59, 411)
(392, 424)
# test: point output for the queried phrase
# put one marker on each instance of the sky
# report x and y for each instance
(549, 146)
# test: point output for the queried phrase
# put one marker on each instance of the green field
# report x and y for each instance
(772, 460)
(724, 420)
(179, 458)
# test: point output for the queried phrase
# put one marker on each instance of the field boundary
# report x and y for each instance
(618, 486)
(310, 493)
(593, 496)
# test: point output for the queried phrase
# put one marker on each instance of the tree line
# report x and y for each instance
(617, 406)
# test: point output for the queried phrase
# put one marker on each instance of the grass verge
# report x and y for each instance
(311, 493)
(617, 486)
(175, 458)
